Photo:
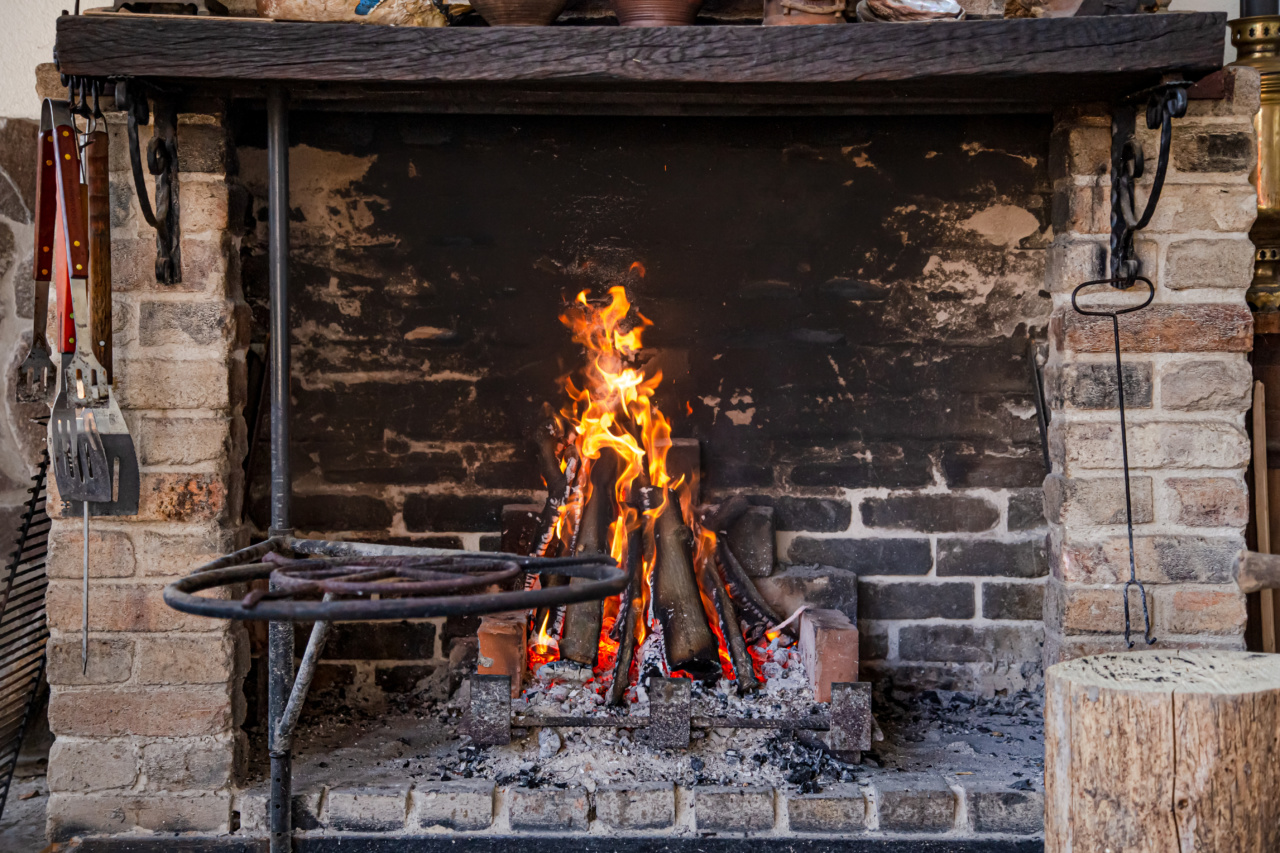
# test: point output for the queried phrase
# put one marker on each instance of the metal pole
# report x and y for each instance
(280, 637)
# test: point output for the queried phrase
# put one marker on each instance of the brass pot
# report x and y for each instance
(784, 13)
(1257, 42)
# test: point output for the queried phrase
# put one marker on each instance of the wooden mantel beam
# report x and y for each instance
(1011, 64)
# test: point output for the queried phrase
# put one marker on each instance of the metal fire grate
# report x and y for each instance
(23, 629)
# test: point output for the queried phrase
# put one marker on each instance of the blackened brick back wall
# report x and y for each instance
(841, 310)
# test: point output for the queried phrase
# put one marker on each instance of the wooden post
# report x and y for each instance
(1262, 513)
(1163, 751)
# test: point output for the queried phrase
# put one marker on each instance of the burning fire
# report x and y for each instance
(610, 410)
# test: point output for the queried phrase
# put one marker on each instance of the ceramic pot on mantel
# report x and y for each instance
(519, 13)
(656, 13)
(784, 13)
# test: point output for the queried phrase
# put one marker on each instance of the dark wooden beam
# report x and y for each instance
(1014, 63)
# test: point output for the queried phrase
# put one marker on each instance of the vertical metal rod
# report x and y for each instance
(280, 636)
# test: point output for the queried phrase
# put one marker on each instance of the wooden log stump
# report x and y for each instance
(1163, 751)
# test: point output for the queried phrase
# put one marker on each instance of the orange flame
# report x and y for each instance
(611, 406)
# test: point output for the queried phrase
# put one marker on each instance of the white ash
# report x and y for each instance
(417, 740)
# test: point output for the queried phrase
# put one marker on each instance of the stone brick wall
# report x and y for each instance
(150, 737)
(1187, 387)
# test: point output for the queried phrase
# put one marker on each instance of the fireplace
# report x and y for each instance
(860, 316)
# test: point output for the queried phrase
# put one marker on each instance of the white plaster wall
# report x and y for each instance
(1231, 7)
(26, 40)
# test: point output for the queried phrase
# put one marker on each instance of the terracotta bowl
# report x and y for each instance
(656, 13)
(519, 13)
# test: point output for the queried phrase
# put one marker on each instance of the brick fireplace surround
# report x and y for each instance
(151, 739)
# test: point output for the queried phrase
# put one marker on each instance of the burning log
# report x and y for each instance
(581, 639)
(759, 616)
(561, 484)
(709, 578)
(628, 615)
(689, 642)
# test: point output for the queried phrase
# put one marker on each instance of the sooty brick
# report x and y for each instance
(1093, 386)
(908, 600)
(882, 466)
(339, 464)
(1026, 509)
(459, 513)
(930, 513)
(970, 644)
(340, 512)
(987, 558)
(510, 474)
(819, 515)
(401, 679)
(1203, 150)
(1012, 600)
(377, 641)
(1000, 466)
(866, 556)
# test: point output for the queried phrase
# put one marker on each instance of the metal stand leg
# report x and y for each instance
(280, 637)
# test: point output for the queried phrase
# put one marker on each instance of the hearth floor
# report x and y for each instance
(945, 747)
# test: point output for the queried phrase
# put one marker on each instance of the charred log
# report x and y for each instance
(690, 645)
(752, 539)
(720, 517)
(554, 448)
(627, 618)
(581, 640)
(756, 613)
(743, 672)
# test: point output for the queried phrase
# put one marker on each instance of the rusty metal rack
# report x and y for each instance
(364, 582)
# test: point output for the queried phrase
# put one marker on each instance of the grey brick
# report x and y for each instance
(464, 804)
(930, 513)
(366, 809)
(549, 809)
(866, 555)
(637, 805)
(909, 600)
(1014, 812)
(916, 804)
(1012, 600)
(1026, 509)
(837, 808)
(987, 558)
(728, 809)
(969, 644)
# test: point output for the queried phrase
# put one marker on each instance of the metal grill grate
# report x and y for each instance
(23, 629)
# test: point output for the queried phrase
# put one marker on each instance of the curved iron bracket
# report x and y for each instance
(1164, 103)
(162, 163)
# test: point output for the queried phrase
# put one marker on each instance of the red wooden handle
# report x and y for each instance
(46, 207)
(65, 330)
(75, 226)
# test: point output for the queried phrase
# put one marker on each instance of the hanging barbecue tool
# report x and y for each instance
(94, 459)
(37, 375)
(1164, 103)
(94, 455)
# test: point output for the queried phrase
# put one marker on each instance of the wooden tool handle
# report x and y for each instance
(45, 221)
(98, 165)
